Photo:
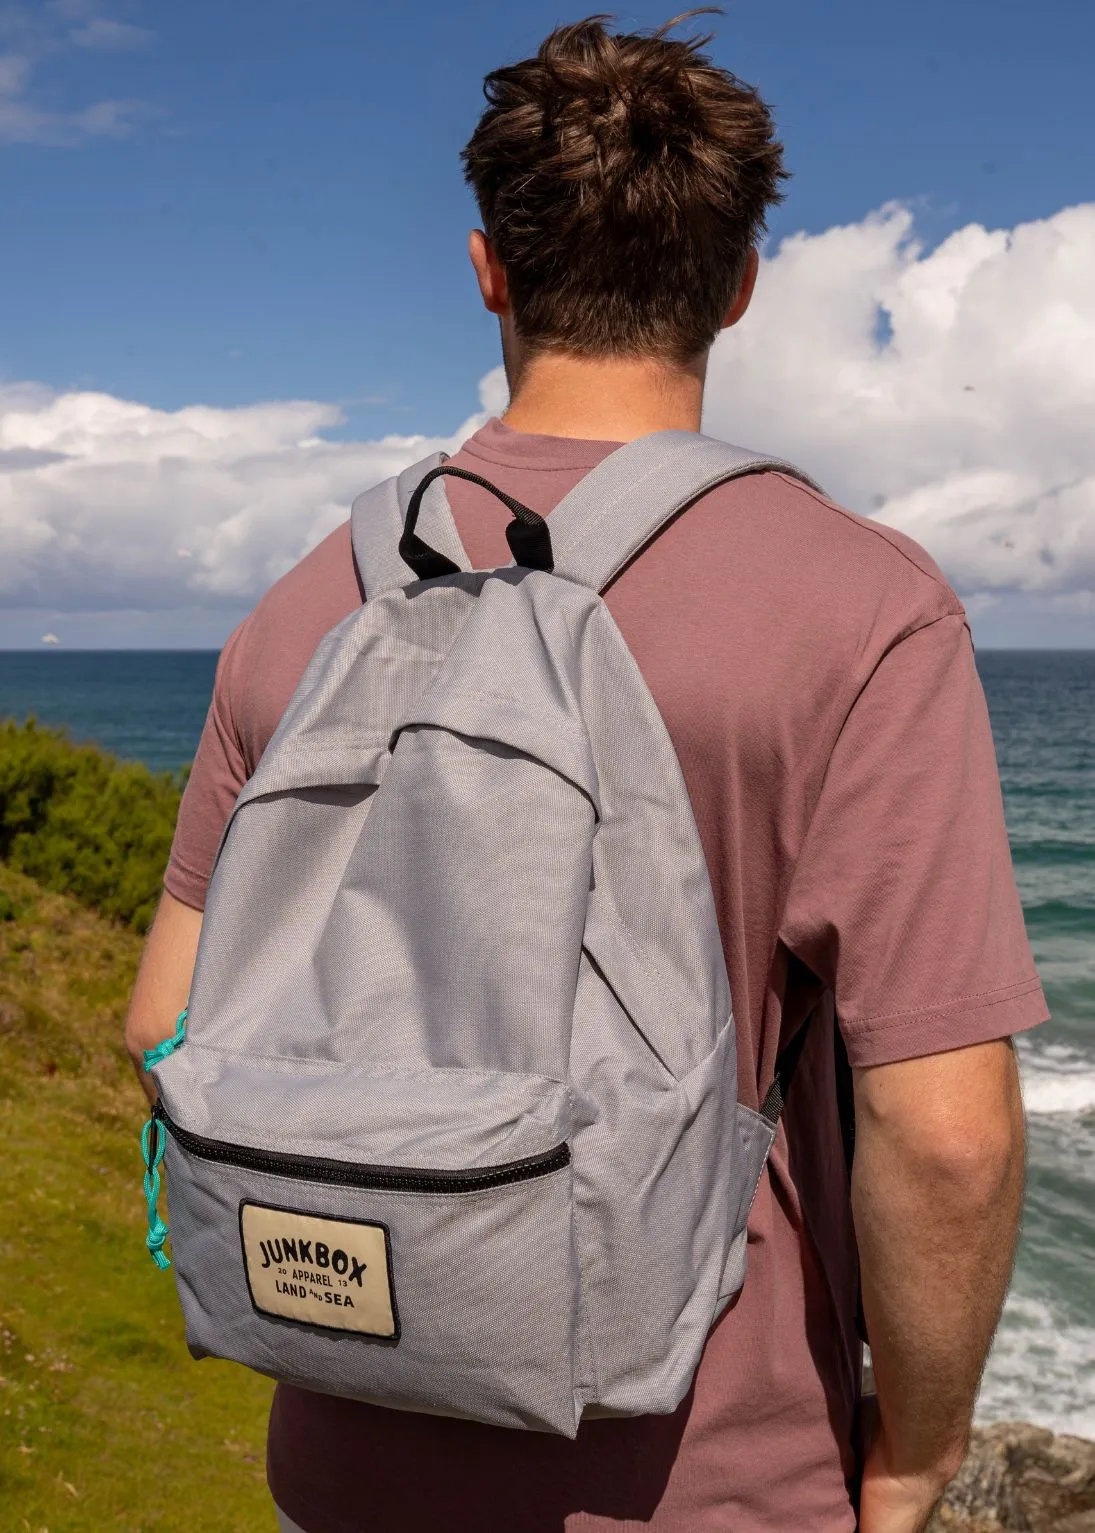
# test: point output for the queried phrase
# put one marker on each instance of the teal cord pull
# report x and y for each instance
(153, 1140)
(169, 1045)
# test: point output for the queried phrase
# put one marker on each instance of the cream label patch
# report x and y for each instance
(335, 1273)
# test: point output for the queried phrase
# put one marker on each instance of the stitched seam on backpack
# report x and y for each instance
(280, 1063)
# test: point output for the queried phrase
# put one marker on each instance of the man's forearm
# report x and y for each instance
(163, 981)
(937, 1190)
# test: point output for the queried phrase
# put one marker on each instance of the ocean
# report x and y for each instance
(1042, 706)
(150, 707)
(146, 706)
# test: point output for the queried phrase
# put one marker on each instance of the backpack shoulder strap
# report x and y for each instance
(615, 510)
(376, 526)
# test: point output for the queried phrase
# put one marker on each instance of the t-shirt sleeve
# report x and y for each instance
(903, 900)
(216, 778)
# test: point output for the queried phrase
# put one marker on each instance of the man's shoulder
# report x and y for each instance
(832, 554)
(270, 650)
(881, 546)
(308, 600)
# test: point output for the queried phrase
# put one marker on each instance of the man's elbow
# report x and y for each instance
(135, 1042)
(163, 980)
(953, 1124)
(979, 1164)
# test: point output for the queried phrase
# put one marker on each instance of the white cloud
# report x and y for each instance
(110, 36)
(39, 35)
(99, 496)
(967, 423)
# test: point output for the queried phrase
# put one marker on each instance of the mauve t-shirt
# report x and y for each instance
(817, 678)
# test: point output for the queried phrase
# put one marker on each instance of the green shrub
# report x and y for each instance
(82, 822)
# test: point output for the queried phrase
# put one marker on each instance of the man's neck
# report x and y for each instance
(605, 400)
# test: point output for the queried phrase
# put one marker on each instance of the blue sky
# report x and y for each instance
(224, 203)
(286, 218)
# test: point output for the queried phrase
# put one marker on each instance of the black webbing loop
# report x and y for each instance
(527, 535)
(786, 1064)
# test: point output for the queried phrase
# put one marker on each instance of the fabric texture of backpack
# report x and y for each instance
(452, 1125)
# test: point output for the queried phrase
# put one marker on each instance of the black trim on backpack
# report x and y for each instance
(527, 535)
(786, 1064)
(772, 1108)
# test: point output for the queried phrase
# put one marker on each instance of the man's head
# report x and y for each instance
(623, 182)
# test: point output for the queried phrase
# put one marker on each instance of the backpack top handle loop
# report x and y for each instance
(527, 535)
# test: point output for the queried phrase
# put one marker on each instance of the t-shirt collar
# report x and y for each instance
(497, 443)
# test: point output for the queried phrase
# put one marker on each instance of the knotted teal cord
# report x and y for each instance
(153, 1140)
(169, 1045)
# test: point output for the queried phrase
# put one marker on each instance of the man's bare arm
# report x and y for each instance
(163, 981)
(936, 1191)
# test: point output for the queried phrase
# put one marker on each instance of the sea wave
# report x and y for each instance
(1051, 853)
(1044, 1093)
(1041, 1369)
(1062, 916)
(1057, 1079)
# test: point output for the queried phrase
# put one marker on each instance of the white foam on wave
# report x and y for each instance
(1046, 1093)
(1040, 1370)
(1057, 1079)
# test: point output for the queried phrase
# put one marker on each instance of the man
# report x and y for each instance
(817, 678)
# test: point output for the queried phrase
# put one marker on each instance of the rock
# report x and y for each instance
(1021, 1479)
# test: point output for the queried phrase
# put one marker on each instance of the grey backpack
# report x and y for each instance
(451, 1124)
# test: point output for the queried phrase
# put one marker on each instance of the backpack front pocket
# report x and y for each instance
(450, 1290)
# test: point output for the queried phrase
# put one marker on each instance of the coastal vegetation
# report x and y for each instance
(81, 822)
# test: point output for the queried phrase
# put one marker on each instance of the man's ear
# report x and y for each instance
(489, 273)
(745, 292)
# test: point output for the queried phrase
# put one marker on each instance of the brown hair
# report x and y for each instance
(623, 180)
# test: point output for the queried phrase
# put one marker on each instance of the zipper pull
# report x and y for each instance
(153, 1141)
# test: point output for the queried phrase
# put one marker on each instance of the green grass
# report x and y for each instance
(106, 1423)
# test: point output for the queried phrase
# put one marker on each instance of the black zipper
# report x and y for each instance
(340, 1173)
